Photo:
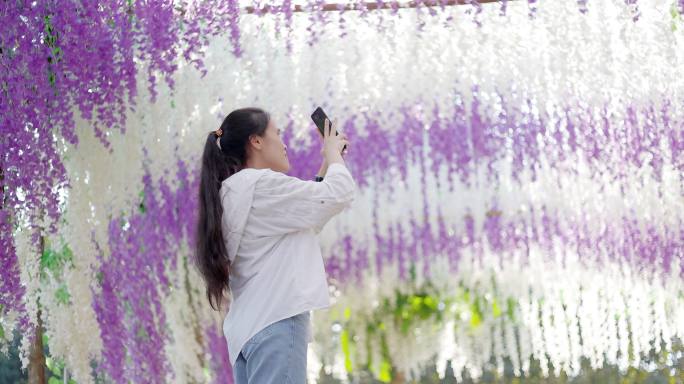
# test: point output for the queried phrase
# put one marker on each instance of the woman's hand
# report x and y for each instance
(333, 144)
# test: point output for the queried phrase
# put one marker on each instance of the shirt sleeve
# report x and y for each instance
(284, 204)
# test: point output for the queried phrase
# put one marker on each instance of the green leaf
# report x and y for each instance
(416, 302)
(48, 260)
(2, 332)
(465, 297)
(141, 206)
(511, 308)
(54, 261)
(346, 350)
(62, 295)
(347, 313)
(67, 255)
(54, 380)
(369, 354)
(430, 302)
(385, 375)
(142, 333)
(496, 310)
(54, 366)
(59, 367)
(475, 314)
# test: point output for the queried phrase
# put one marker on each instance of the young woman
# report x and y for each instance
(256, 240)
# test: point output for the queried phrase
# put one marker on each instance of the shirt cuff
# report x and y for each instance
(337, 167)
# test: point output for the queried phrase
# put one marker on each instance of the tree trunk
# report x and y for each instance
(398, 378)
(36, 368)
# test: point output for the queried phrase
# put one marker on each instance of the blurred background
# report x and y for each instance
(520, 215)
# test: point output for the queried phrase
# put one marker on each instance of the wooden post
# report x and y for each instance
(371, 6)
(36, 367)
(398, 378)
(3, 198)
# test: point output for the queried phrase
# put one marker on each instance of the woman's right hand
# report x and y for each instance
(333, 144)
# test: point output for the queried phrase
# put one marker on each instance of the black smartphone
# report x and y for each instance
(318, 117)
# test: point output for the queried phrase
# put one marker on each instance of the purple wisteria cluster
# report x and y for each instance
(11, 291)
(611, 145)
(133, 279)
(218, 349)
(468, 139)
(57, 58)
(650, 247)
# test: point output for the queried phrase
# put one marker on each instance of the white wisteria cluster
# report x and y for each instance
(561, 315)
(597, 57)
(186, 317)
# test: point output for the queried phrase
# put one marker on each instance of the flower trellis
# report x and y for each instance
(487, 138)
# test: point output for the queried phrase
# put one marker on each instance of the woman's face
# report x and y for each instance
(270, 151)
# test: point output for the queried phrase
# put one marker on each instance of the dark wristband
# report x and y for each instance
(319, 178)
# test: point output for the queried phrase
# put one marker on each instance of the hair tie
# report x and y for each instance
(218, 133)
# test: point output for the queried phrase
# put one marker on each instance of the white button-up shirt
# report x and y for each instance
(270, 222)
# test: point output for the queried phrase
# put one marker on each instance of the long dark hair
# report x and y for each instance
(217, 165)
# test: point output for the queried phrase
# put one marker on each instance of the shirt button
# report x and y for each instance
(322, 201)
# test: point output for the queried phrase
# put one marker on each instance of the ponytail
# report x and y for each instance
(225, 153)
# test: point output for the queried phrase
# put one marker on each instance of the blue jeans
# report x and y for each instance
(275, 355)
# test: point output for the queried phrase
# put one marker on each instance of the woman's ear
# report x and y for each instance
(256, 141)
